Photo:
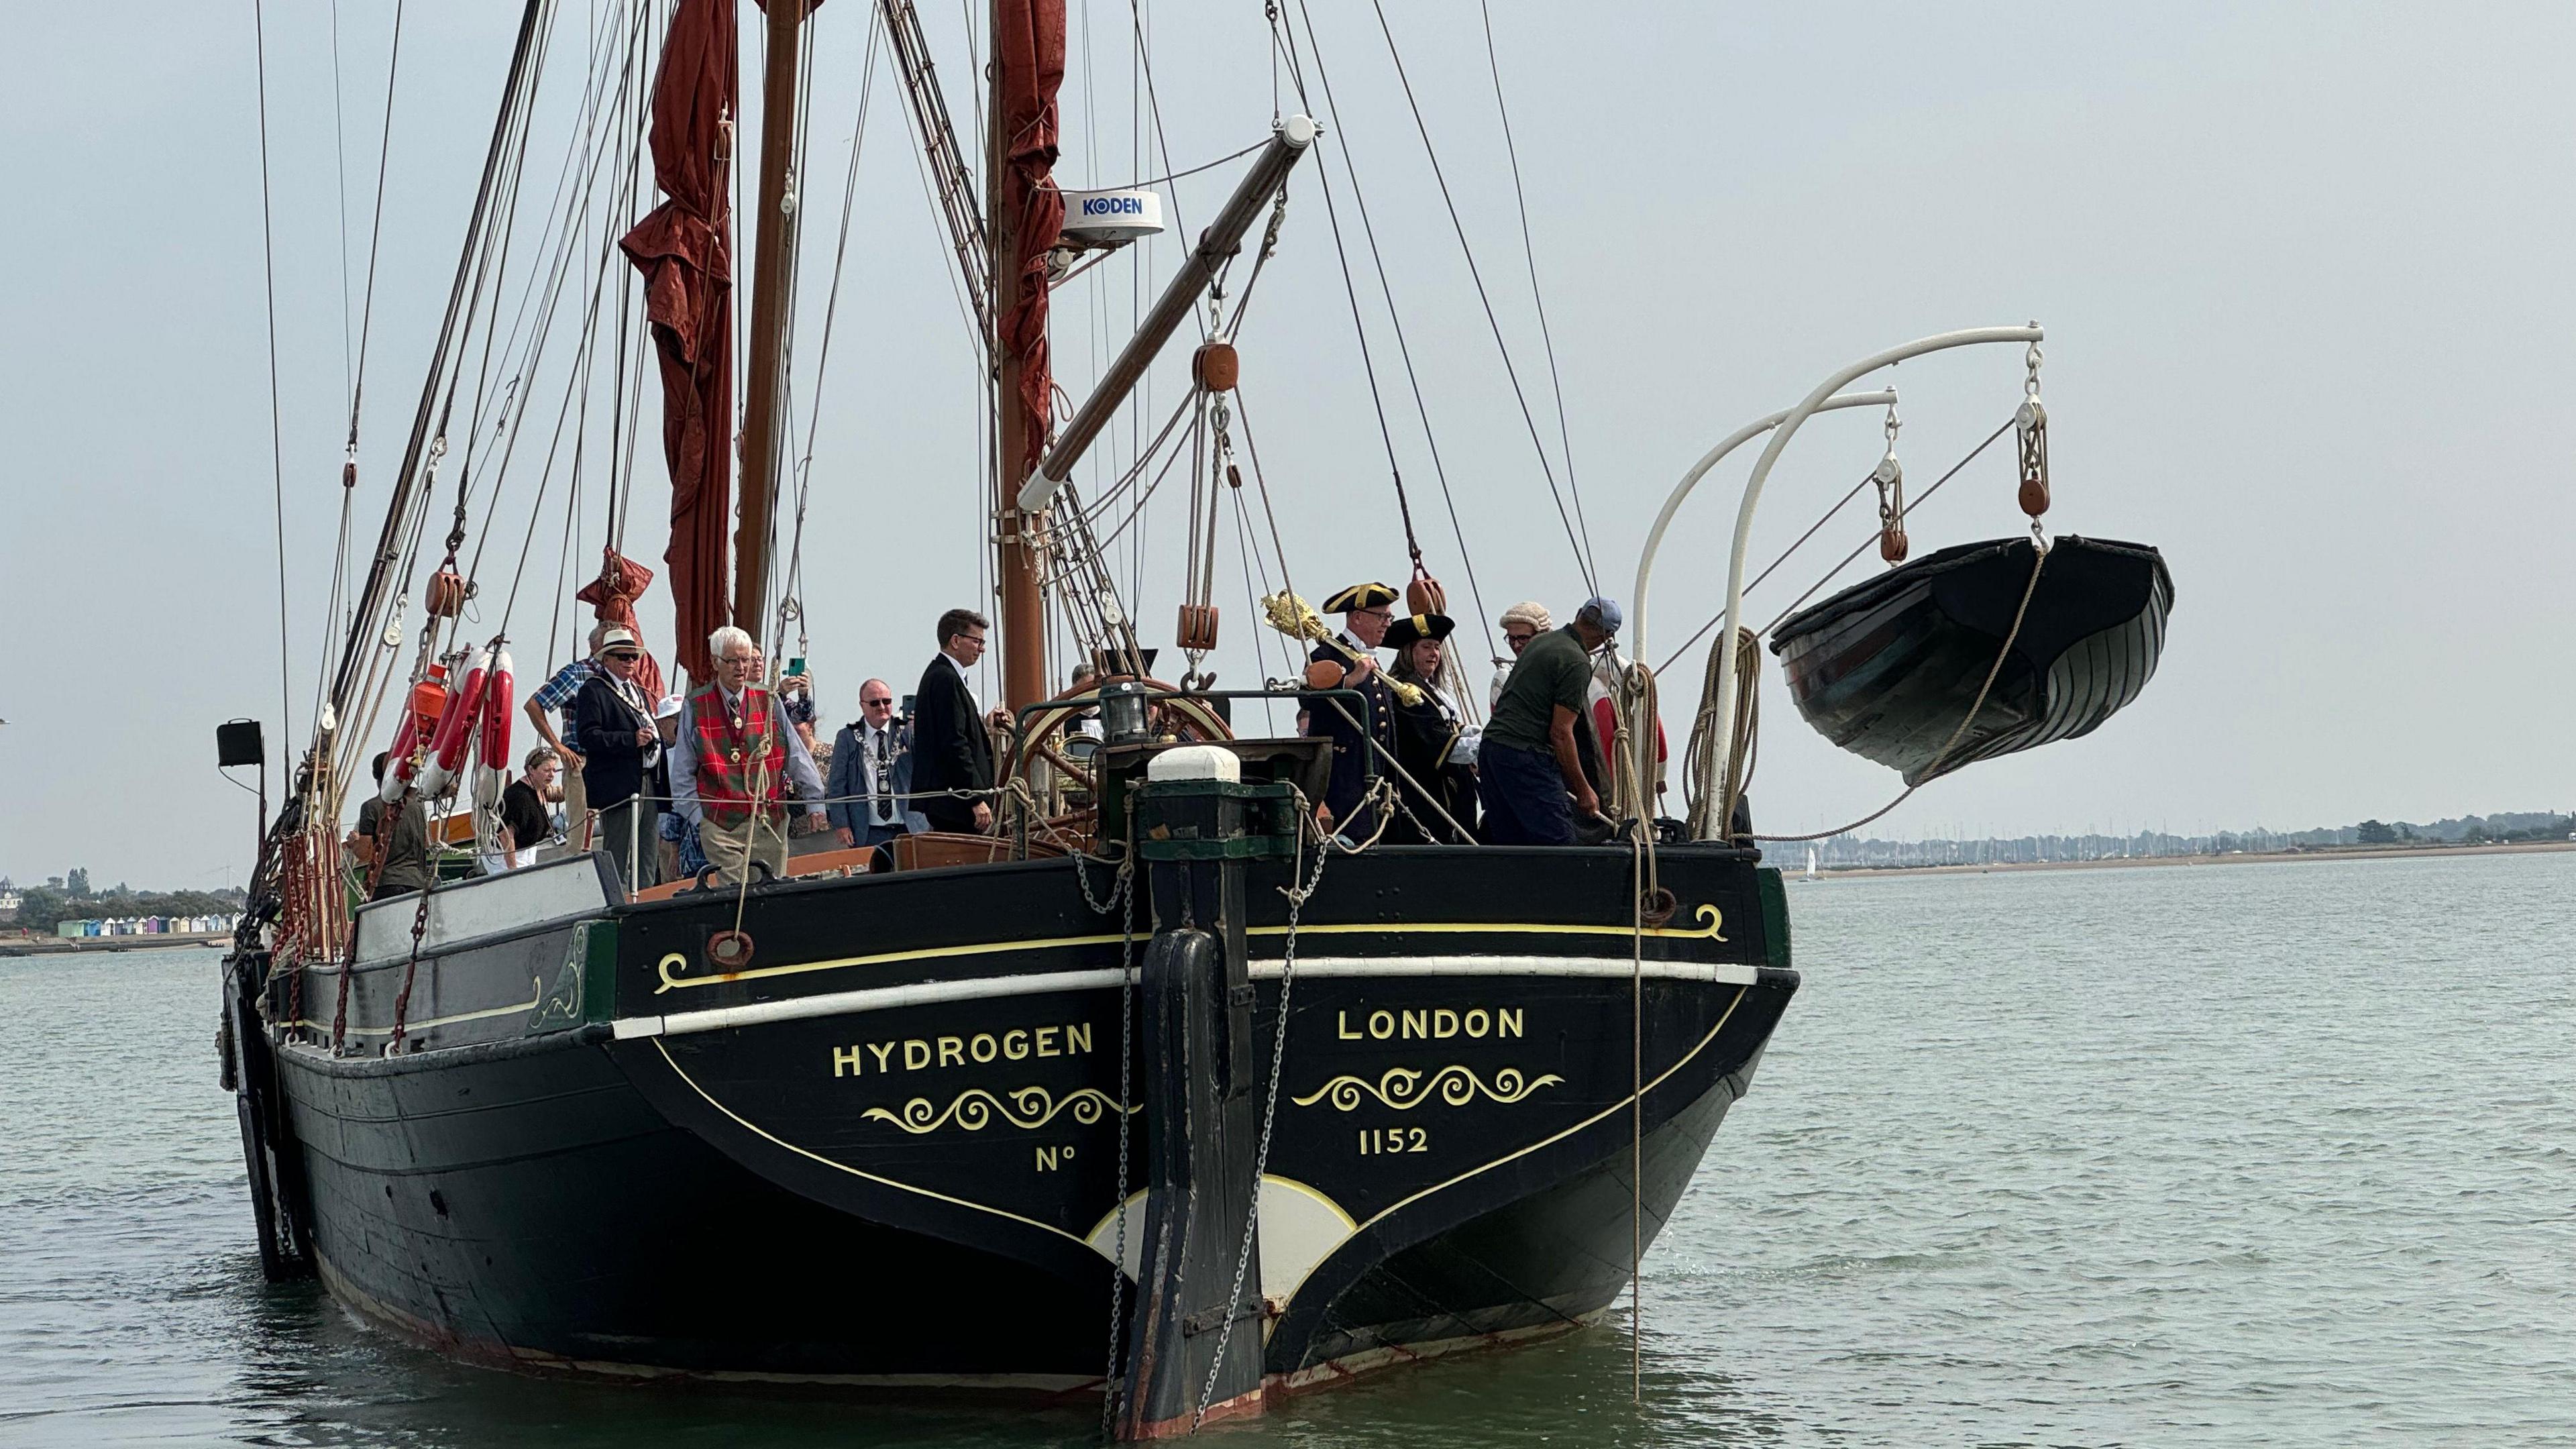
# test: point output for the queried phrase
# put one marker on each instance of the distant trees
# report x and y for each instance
(42, 908)
(2373, 832)
(78, 881)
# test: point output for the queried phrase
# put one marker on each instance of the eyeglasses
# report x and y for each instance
(1377, 613)
(876, 704)
(620, 656)
(1518, 638)
(741, 661)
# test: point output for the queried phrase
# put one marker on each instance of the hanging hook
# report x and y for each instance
(2030, 422)
(1889, 475)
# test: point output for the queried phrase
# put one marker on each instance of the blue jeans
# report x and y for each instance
(1524, 797)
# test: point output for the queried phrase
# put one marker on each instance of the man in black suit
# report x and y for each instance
(613, 729)
(950, 749)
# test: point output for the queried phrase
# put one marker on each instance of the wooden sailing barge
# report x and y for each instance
(1196, 1111)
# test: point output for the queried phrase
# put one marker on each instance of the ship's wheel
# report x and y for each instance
(1185, 718)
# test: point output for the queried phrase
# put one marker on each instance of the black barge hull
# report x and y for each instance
(886, 1152)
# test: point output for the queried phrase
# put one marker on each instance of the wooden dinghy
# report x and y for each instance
(1890, 667)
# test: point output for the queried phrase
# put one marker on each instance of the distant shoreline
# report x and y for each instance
(2245, 857)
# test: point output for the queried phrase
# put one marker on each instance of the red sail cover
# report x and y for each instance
(685, 252)
(612, 598)
(1029, 45)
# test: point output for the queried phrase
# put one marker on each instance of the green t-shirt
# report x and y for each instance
(406, 855)
(1552, 670)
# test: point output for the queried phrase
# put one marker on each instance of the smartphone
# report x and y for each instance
(796, 666)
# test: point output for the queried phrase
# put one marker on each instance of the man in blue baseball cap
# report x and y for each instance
(1529, 772)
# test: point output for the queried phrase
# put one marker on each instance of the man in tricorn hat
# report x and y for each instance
(1366, 610)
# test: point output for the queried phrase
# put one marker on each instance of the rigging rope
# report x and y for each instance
(1703, 631)
(1582, 554)
(276, 426)
(1529, 255)
(1846, 562)
(376, 229)
(1192, 171)
(1404, 353)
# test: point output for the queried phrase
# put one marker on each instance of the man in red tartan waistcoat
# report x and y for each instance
(734, 761)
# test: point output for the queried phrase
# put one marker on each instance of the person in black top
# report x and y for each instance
(526, 820)
(951, 751)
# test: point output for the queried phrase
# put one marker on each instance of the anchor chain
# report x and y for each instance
(1297, 895)
(1122, 898)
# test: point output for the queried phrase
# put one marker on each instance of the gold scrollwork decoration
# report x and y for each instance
(976, 1109)
(1711, 917)
(1404, 1088)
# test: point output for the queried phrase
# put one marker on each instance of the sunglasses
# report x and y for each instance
(624, 656)
(876, 704)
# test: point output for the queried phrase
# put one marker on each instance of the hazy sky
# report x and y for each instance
(2304, 270)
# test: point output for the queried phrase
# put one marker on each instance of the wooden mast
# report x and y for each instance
(1022, 620)
(773, 269)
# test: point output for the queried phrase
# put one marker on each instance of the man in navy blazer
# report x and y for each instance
(872, 773)
(613, 728)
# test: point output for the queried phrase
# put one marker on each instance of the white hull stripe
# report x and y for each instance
(923, 993)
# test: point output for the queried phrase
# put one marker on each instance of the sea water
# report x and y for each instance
(2260, 1155)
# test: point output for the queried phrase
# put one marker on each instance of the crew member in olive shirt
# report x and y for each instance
(404, 849)
(1528, 772)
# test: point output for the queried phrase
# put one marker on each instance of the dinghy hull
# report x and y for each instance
(1890, 668)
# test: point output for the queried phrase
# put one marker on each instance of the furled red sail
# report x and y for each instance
(685, 252)
(612, 598)
(1029, 47)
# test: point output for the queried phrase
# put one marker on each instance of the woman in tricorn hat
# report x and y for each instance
(1433, 742)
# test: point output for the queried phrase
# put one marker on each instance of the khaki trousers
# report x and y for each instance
(577, 829)
(763, 837)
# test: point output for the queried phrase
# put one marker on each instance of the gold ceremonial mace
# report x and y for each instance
(1297, 619)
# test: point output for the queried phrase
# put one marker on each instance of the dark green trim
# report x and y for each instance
(1775, 917)
(585, 990)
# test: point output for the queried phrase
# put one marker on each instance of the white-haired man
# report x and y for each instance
(733, 761)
